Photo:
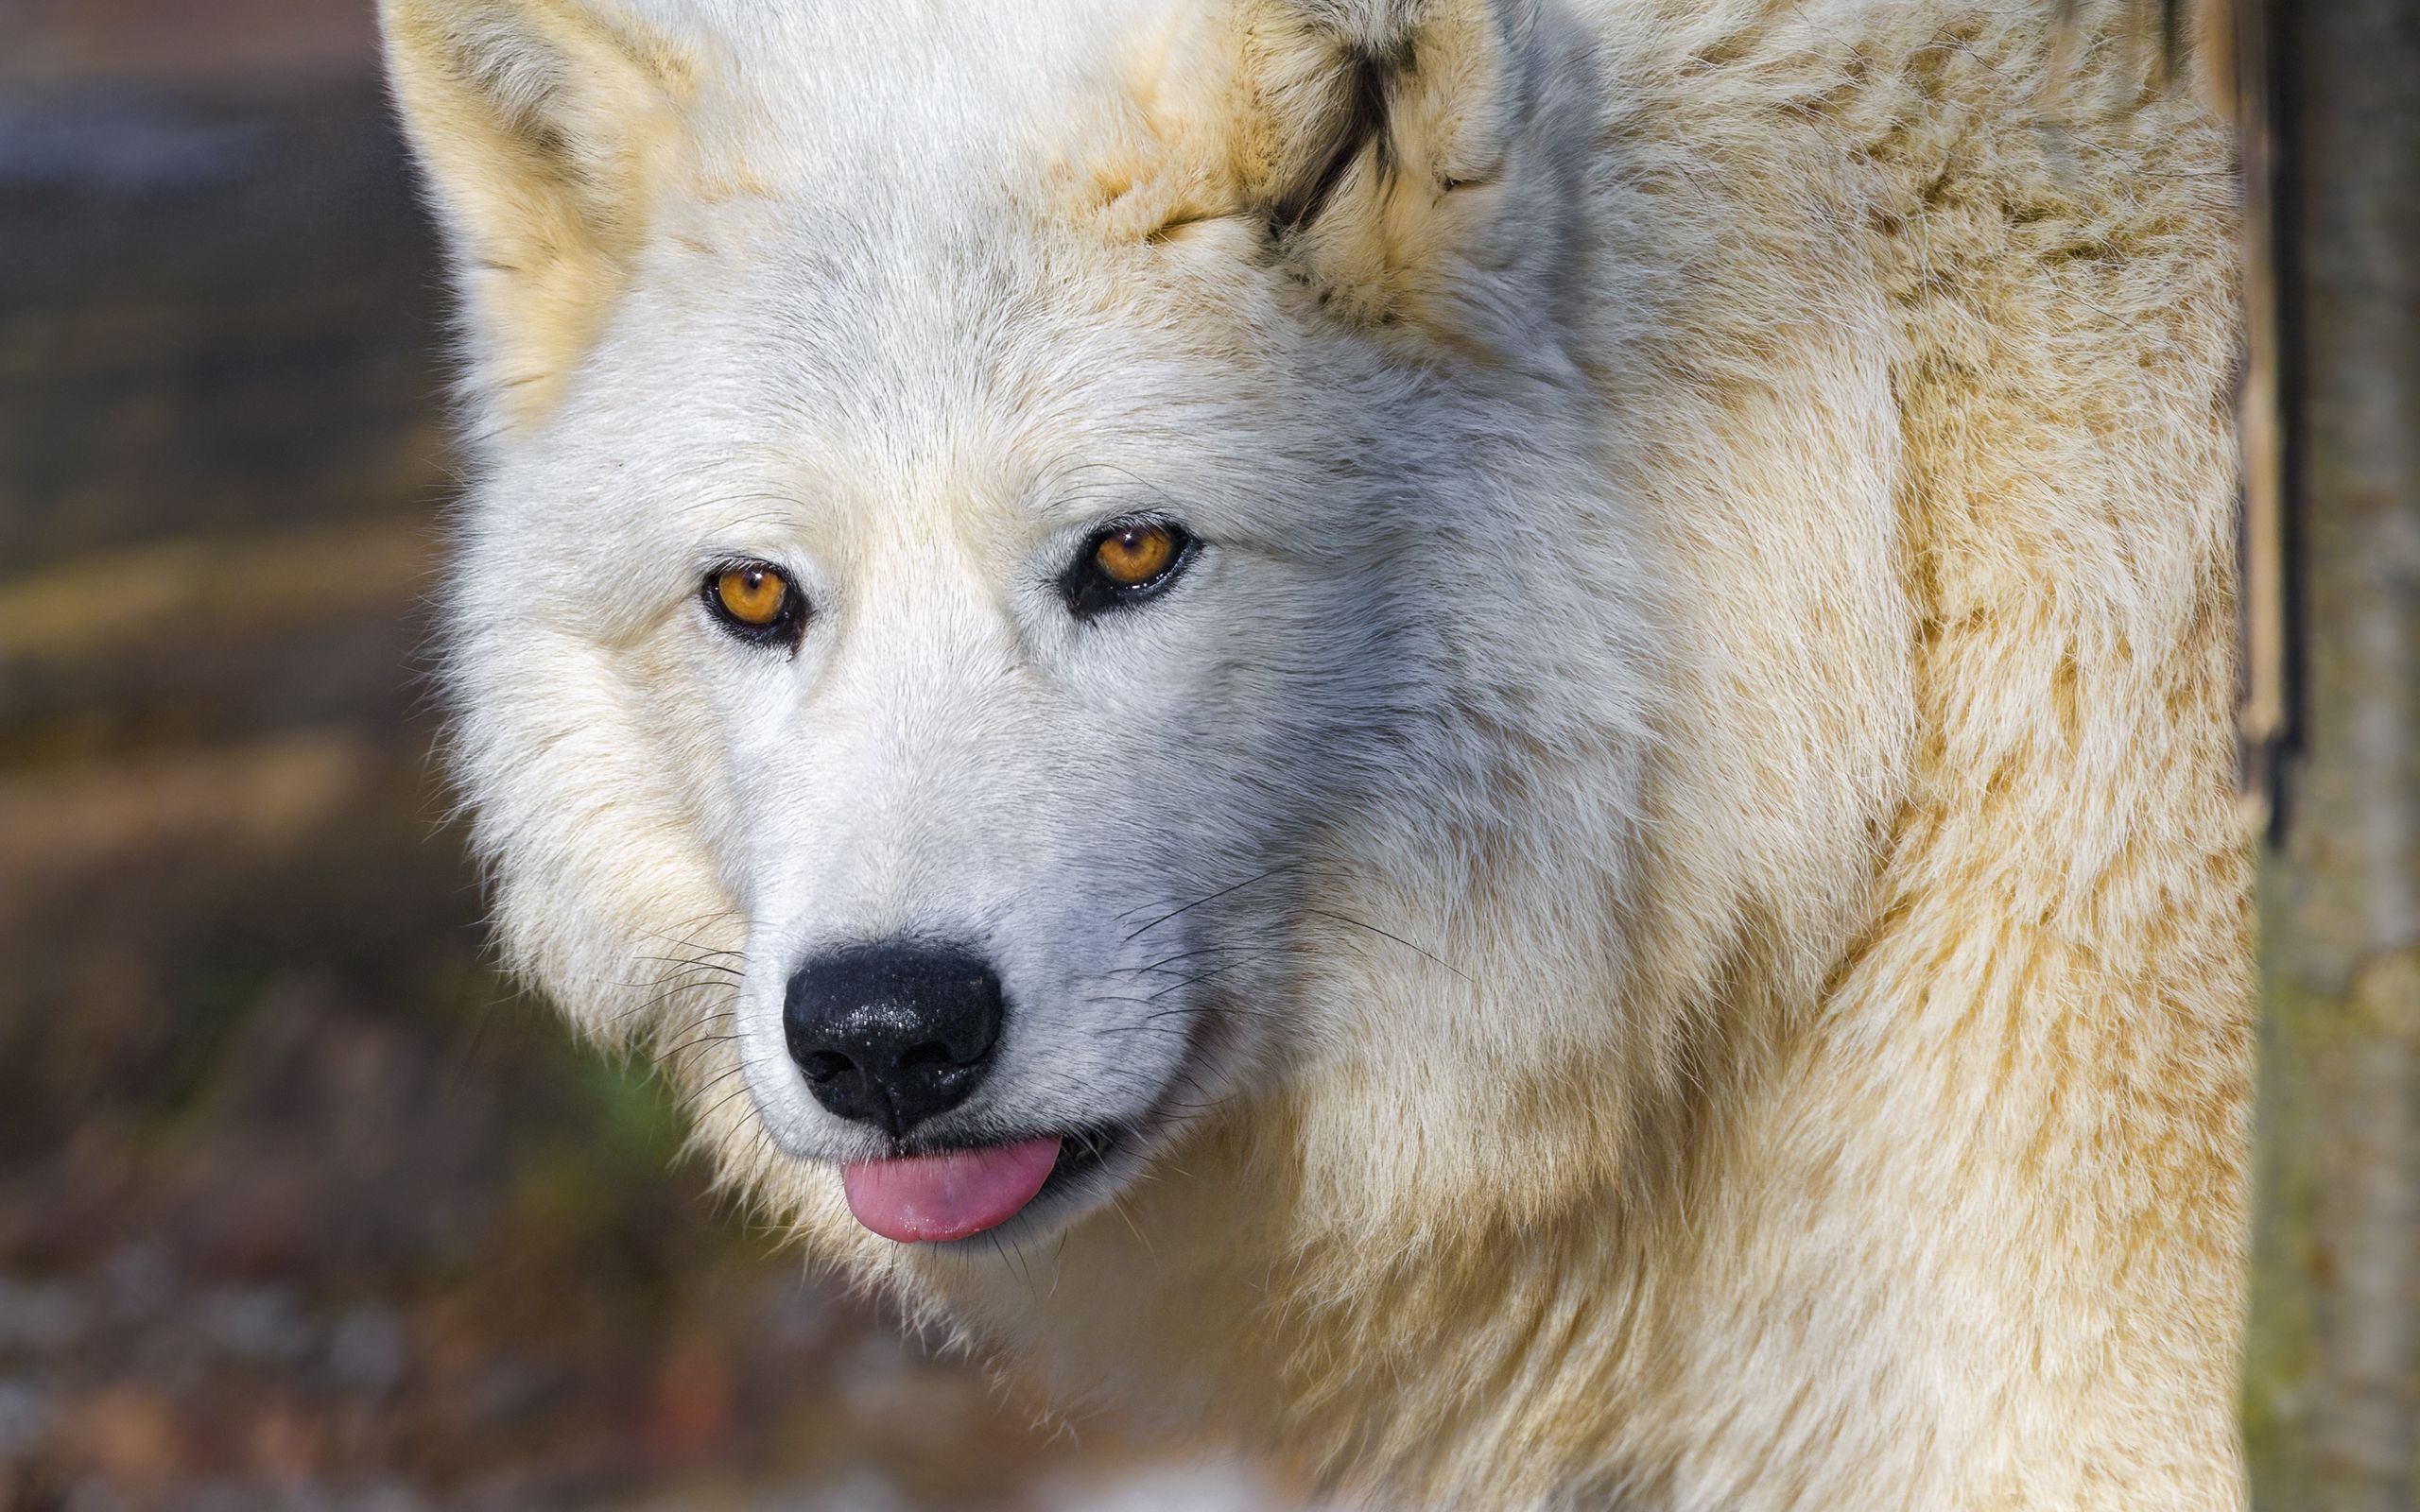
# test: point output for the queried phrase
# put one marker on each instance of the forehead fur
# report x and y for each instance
(908, 106)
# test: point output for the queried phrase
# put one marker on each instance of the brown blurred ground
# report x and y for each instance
(298, 1207)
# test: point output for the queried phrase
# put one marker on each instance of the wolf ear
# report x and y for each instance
(1372, 140)
(546, 128)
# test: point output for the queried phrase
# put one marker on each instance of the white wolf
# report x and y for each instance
(1487, 736)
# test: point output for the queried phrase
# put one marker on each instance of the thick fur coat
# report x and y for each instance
(1658, 919)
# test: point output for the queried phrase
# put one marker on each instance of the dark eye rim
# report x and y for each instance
(782, 629)
(1089, 592)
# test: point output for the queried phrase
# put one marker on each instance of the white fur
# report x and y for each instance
(1661, 897)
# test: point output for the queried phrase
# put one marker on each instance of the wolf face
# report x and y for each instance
(959, 616)
(1098, 790)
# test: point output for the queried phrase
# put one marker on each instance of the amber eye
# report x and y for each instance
(1136, 554)
(1124, 564)
(753, 599)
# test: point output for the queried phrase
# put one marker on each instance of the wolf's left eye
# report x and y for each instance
(1125, 563)
(754, 601)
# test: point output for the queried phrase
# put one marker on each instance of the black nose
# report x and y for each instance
(892, 1034)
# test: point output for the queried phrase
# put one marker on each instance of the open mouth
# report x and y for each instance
(956, 1194)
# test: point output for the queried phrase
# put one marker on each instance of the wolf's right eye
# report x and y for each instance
(1124, 564)
(754, 601)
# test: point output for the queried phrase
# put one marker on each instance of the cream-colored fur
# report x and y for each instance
(1723, 587)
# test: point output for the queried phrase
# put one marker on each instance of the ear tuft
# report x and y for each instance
(1350, 129)
(546, 128)
(1358, 127)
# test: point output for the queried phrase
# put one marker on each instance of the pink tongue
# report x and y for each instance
(948, 1197)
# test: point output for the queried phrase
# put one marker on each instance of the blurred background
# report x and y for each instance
(300, 1208)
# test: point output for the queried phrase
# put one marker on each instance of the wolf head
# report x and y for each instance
(1057, 609)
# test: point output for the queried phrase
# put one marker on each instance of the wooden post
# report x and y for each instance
(2332, 1387)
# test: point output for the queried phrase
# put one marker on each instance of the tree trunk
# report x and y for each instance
(2332, 1389)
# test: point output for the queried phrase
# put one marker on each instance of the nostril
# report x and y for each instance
(823, 1065)
(932, 1054)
